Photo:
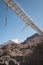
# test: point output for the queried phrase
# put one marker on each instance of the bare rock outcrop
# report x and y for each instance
(30, 52)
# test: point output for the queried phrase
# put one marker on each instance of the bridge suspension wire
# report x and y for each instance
(0, 0)
(21, 13)
(23, 28)
(6, 16)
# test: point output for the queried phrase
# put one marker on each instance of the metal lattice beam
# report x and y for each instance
(19, 11)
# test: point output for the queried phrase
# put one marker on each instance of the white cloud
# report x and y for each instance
(16, 41)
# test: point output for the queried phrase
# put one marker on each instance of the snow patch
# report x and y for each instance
(16, 41)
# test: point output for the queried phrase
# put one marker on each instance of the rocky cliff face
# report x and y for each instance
(30, 52)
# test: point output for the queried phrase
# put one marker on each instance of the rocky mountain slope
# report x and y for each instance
(29, 52)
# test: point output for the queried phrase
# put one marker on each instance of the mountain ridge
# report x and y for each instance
(34, 38)
(26, 53)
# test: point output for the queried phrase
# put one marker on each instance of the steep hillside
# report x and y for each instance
(34, 39)
(30, 52)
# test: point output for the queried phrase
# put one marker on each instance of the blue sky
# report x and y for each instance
(34, 8)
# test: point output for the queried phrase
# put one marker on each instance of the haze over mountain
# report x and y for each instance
(29, 52)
